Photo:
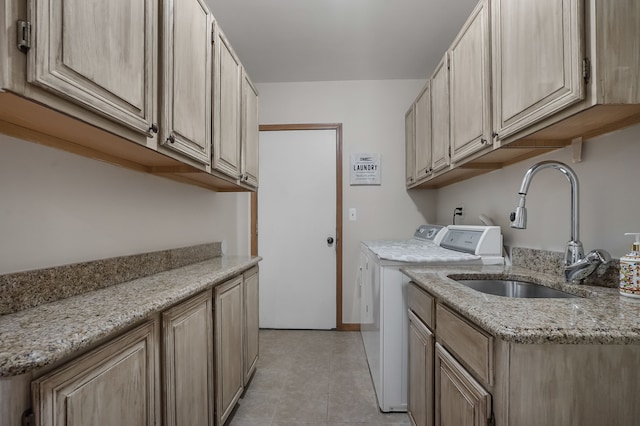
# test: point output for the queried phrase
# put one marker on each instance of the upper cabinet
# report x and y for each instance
(97, 54)
(227, 104)
(537, 60)
(250, 132)
(423, 133)
(440, 116)
(153, 86)
(410, 144)
(186, 77)
(470, 73)
(527, 77)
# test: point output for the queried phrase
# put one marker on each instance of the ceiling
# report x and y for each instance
(329, 40)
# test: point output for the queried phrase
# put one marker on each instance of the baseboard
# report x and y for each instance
(349, 327)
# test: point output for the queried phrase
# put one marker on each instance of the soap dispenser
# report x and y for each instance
(630, 270)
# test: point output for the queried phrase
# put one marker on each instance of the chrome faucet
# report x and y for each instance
(577, 266)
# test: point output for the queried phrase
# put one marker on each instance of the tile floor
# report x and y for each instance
(315, 378)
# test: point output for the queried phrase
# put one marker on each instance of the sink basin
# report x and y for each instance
(514, 288)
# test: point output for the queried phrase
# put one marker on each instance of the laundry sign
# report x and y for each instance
(365, 169)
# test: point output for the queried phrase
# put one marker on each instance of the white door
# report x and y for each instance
(296, 217)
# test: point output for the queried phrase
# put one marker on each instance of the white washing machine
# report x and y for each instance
(383, 295)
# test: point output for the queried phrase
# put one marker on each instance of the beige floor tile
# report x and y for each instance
(257, 406)
(275, 361)
(245, 422)
(311, 378)
(301, 407)
(267, 380)
(300, 424)
(308, 382)
(357, 381)
(347, 363)
(353, 406)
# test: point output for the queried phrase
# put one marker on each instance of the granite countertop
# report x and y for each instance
(39, 336)
(599, 316)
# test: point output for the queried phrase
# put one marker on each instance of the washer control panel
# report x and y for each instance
(428, 232)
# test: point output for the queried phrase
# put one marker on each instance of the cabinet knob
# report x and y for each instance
(330, 240)
(153, 128)
(171, 139)
(495, 135)
(483, 141)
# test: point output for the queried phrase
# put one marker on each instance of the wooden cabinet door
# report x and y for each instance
(251, 317)
(460, 399)
(113, 385)
(228, 351)
(410, 144)
(98, 54)
(250, 148)
(440, 116)
(537, 50)
(421, 360)
(186, 77)
(470, 86)
(188, 362)
(423, 133)
(227, 93)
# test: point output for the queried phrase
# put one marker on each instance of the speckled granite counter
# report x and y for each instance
(600, 316)
(42, 335)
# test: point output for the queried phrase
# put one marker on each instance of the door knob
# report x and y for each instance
(330, 240)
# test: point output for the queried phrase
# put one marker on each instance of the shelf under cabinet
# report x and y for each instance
(33, 122)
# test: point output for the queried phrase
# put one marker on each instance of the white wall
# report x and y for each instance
(372, 115)
(58, 208)
(609, 177)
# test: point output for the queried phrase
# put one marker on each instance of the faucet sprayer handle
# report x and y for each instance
(512, 216)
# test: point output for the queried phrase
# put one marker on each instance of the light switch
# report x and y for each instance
(352, 214)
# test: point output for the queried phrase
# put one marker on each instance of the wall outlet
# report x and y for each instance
(352, 214)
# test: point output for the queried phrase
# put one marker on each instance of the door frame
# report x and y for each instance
(254, 209)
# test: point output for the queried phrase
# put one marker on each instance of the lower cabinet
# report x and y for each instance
(460, 399)
(251, 317)
(185, 366)
(188, 362)
(442, 391)
(421, 380)
(114, 384)
(471, 378)
(229, 338)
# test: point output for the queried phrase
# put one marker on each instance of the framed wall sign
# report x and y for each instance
(365, 169)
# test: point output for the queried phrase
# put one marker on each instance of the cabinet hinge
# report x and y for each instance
(28, 418)
(24, 35)
(586, 70)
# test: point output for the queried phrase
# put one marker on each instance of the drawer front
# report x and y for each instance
(473, 346)
(423, 304)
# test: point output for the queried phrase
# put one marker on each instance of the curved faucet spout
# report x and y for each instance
(576, 265)
(573, 181)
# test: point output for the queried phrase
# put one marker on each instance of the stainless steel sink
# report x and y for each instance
(514, 288)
